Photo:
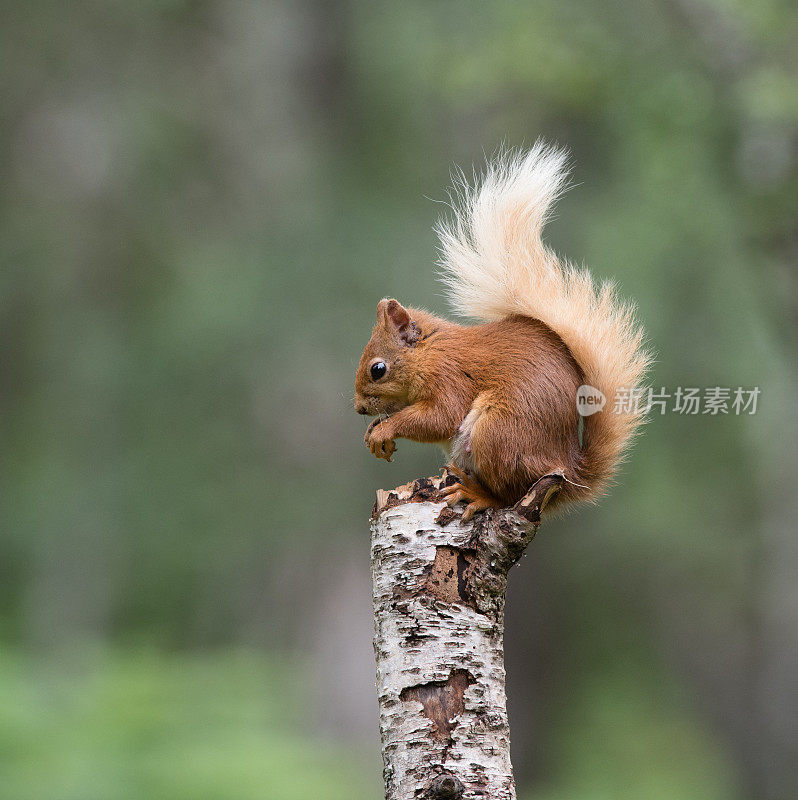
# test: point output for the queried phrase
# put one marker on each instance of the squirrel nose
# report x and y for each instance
(361, 408)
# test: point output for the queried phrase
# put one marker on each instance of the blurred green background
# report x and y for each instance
(200, 205)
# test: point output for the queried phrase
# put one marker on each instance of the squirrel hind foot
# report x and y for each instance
(468, 490)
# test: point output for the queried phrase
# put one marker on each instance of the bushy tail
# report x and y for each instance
(495, 264)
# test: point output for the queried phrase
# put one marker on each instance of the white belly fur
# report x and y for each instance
(460, 444)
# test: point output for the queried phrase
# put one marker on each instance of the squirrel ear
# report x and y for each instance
(397, 318)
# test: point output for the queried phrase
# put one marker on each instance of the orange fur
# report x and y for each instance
(502, 395)
(516, 373)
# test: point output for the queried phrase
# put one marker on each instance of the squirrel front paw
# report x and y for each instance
(379, 439)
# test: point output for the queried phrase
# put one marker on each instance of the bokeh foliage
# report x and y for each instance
(200, 205)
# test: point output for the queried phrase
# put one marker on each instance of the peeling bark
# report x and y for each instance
(439, 589)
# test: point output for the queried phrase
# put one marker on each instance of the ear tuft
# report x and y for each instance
(397, 318)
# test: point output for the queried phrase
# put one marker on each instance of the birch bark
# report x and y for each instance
(439, 593)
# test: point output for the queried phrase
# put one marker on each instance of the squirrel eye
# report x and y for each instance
(378, 369)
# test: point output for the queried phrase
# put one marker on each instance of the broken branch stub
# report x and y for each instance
(439, 588)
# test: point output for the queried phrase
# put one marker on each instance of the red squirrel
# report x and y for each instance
(501, 396)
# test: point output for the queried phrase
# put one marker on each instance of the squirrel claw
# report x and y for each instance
(473, 508)
(467, 490)
(383, 449)
(388, 448)
(454, 494)
(379, 447)
(457, 493)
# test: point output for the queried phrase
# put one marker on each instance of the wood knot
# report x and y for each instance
(446, 787)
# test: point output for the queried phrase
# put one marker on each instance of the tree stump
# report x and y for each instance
(439, 593)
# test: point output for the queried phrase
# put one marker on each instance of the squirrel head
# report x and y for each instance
(382, 380)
